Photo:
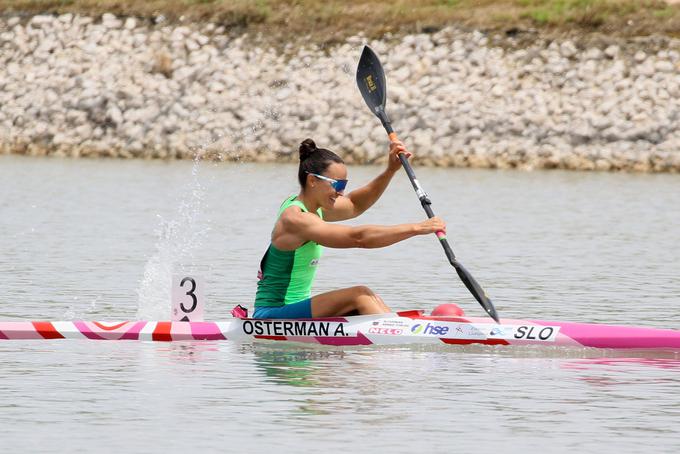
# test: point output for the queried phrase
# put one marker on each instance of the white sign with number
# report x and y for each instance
(188, 299)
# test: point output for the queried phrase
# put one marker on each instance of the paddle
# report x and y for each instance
(371, 82)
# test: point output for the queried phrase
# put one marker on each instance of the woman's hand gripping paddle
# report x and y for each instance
(371, 81)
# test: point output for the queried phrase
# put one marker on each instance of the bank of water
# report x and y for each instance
(120, 87)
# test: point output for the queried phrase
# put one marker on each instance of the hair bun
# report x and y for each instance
(307, 147)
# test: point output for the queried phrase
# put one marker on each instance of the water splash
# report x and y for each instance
(181, 236)
(178, 239)
(74, 311)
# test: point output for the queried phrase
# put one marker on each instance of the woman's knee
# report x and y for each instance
(361, 290)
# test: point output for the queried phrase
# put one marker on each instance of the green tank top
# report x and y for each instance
(286, 277)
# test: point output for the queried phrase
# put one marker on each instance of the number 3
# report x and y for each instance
(194, 300)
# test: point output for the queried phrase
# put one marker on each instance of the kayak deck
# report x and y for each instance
(410, 327)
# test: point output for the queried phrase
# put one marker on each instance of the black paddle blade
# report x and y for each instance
(476, 291)
(371, 82)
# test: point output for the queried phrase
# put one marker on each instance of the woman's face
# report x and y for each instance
(324, 192)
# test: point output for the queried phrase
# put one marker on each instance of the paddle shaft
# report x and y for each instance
(422, 196)
(469, 281)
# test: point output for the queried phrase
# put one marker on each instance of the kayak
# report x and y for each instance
(408, 327)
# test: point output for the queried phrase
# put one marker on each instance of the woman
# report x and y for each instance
(304, 226)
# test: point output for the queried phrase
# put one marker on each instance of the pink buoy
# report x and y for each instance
(449, 310)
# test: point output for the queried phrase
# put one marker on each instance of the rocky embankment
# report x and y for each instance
(77, 86)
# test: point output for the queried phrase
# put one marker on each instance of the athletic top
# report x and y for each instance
(285, 277)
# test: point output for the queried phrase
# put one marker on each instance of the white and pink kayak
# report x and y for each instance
(409, 327)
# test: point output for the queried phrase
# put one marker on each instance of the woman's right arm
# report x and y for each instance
(309, 227)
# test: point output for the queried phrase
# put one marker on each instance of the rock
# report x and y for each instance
(593, 54)
(183, 73)
(568, 49)
(191, 45)
(41, 21)
(664, 66)
(83, 131)
(110, 21)
(121, 89)
(473, 134)
(216, 87)
(202, 40)
(114, 114)
(130, 23)
(647, 68)
(612, 51)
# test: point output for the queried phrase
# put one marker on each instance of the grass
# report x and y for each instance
(333, 20)
(588, 13)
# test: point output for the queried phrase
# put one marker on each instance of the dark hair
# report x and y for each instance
(314, 160)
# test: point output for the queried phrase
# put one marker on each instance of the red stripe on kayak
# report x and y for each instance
(162, 332)
(47, 330)
(274, 338)
(109, 328)
(411, 314)
(475, 341)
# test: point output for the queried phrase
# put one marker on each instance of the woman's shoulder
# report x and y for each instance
(288, 202)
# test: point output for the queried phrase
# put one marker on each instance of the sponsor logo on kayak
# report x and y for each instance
(392, 323)
(469, 332)
(497, 331)
(388, 331)
(429, 329)
(536, 333)
(293, 328)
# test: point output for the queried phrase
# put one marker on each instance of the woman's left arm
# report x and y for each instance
(361, 199)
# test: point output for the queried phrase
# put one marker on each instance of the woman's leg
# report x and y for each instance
(301, 309)
(359, 299)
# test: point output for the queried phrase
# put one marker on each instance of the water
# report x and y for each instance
(94, 240)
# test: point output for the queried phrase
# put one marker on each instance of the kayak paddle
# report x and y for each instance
(371, 82)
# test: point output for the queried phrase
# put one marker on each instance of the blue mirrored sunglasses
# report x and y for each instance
(338, 185)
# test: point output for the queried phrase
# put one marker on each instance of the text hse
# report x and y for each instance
(431, 329)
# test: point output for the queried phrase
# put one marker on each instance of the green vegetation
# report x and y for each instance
(588, 13)
(334, 20)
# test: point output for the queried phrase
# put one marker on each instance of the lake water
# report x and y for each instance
(97, 239)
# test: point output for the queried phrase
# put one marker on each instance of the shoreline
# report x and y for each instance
(331, 22)
(118, 88)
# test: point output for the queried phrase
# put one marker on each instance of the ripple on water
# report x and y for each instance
(547, 245)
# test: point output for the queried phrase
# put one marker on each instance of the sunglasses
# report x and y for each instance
(338, 185)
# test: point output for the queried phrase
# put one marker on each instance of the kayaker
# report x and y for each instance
(305, 224)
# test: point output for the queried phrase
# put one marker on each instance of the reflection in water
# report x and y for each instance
(330, 382)
(187, 352)
(305, 393)
(293, 366)
(653, 362)
(607, 372)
